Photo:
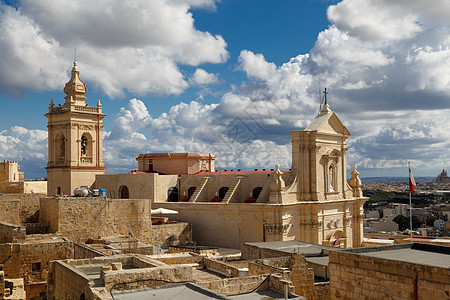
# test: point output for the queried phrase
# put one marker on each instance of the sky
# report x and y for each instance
(232, 77)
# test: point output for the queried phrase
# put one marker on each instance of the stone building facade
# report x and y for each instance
(13, 182)
(311, 202)
(75, 151)
(176, 163)
(408, 271)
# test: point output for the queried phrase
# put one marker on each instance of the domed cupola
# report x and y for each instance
(75, 89)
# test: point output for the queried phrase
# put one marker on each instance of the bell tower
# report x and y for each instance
(319, 159)
(75, 150)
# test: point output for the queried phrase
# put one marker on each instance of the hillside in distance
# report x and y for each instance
(398, 179)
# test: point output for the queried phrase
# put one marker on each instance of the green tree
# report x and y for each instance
(403, 222)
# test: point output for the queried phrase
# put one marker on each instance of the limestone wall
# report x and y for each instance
(162, 185)
(334, 223)
(18, 208)
(36, 187)
(302, 277)
(221, 225)
(322, 290)
(178, 273)
(363, 277)
(97, 216)
(11, 187)
(177, 259)
(11, 233)
(20, 257)
(255, 268)
(253, 252)
(237, 285)
(67, 282)
(162, 234)
(10, 209)
(216, 181)
(140, 186)
(221, 267)
(81, 251)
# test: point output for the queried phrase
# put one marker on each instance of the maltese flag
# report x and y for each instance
(412, 182)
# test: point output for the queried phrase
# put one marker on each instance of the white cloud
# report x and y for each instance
(201, 77)
(385, 64)
(28, 146)
(374, 20)
(255, 65)
(134, 46)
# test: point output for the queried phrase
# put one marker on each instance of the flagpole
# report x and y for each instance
(410, 205)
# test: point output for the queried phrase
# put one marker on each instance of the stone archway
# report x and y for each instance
(336, 239)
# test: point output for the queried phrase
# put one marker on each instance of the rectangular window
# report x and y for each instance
(35, 267)
(58, 190)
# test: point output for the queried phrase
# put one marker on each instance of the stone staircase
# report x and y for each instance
(232, 191)
(198, 191)
(264, 195)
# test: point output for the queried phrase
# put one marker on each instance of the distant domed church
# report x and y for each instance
(443, 178)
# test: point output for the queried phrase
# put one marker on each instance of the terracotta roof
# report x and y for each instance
(239, 171)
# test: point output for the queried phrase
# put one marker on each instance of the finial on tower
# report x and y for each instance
(75, 54)
(325, 107)
(325, 93)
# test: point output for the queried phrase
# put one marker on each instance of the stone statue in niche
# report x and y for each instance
(330, 179)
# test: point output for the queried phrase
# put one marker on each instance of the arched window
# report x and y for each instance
(60, 148)
(256, 192)
(124, 192)
(223, 191)
(172, 194)
(191, 191)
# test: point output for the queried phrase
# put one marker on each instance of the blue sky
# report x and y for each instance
(186, 75)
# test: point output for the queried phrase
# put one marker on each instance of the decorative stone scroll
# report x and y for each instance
(86, 127)
(276, 229)
(83, 126)
(311, 224)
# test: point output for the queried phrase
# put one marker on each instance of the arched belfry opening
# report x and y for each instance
(84, 145)
(60, 146)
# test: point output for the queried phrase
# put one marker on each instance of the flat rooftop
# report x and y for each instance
(417, 253)
(191, 291)
(320, 260)
(289, 247)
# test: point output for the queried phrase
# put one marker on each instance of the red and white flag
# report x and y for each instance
(412, 182)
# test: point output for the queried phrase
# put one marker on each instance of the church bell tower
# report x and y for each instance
(75, 151)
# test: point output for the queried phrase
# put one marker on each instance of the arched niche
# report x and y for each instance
(124, 192)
